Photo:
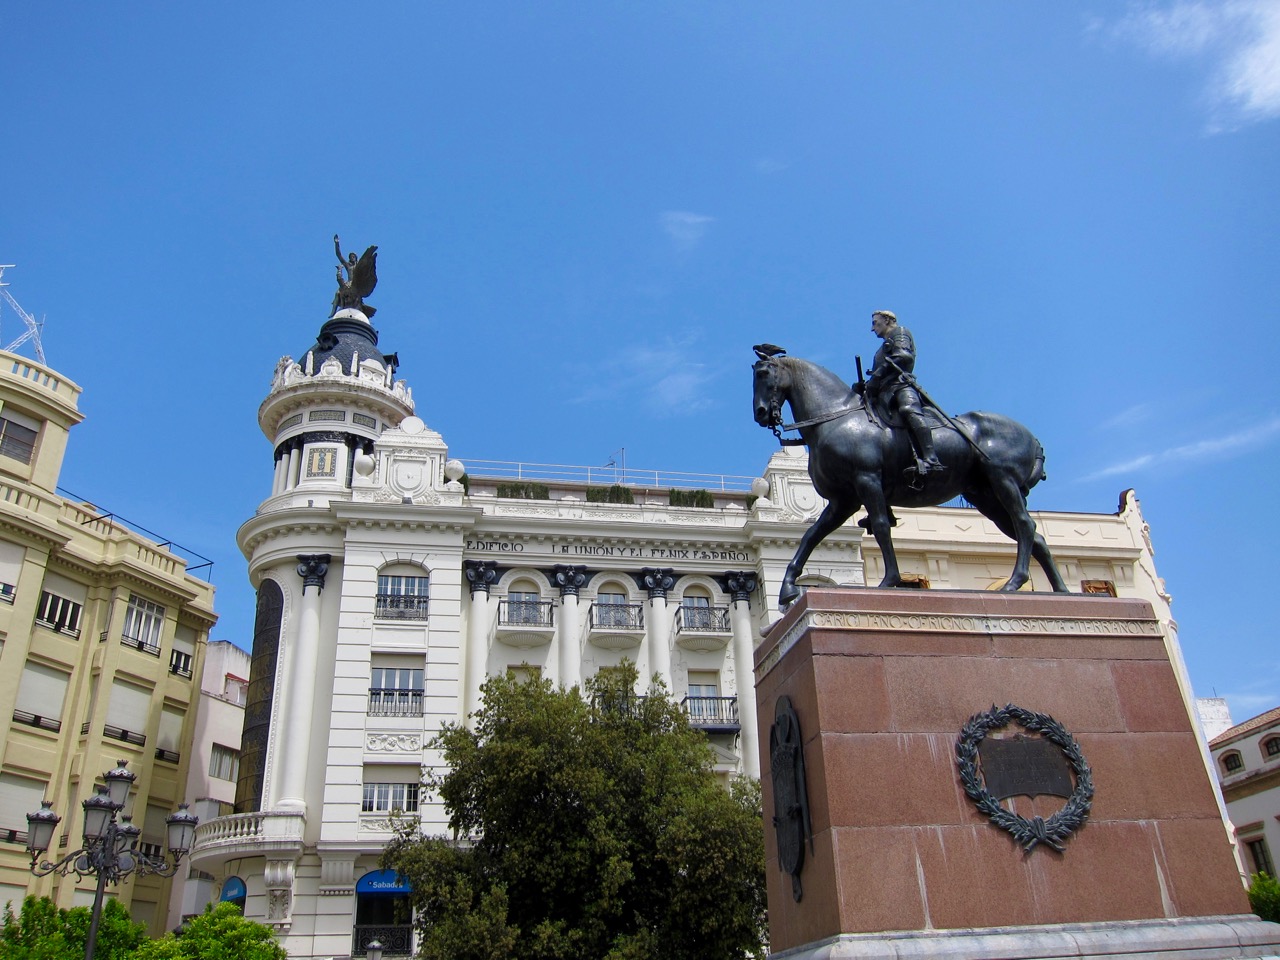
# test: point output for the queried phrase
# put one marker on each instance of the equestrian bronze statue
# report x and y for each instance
(858, 458)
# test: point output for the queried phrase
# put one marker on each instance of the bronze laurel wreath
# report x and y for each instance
(1026, 832)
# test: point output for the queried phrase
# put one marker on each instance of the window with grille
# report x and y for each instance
(17, 440)
(180, 663)
(385, 797)
(395, 692)
(59, 613)
(142, 622)
(1232, 762)
(224, 763)
(402, 597)
(612, 610)
(1272, 747)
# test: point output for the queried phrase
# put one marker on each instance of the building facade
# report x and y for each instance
(1247, 759)
(215, 762)
(102, 634)
(392, 579)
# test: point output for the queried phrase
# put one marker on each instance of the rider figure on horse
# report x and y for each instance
(890, 383)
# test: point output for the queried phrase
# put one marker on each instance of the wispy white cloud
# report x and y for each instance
(685, 229)
(1130, 417)
(667, 378)
(1237, 40)
(1229, 445)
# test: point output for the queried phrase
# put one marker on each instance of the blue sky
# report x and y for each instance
(588, 212)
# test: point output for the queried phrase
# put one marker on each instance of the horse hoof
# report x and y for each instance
(788, 596)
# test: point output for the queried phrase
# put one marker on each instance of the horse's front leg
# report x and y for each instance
(830, 520)
(878, 523)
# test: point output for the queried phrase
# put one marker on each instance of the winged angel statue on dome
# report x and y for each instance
(361, 278)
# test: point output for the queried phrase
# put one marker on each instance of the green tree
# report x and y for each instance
(220, 933)
(592, 829)
(1264, 896)
(43, 931)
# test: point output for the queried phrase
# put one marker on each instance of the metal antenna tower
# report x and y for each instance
(33, 325)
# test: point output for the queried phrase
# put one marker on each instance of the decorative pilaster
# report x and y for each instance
(657, 581)
(740, 584)
(481, 575)
(299, 722)
(570, 579)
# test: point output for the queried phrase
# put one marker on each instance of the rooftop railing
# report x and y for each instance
(626, 476)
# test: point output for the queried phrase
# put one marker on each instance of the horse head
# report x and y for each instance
(772, 383)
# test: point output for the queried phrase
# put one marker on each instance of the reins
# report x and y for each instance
(812, 421)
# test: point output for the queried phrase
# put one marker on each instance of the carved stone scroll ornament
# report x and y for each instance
(1025, 767)
(790, 797)
(481, 574)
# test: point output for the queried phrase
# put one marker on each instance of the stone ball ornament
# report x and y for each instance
(454, 469)
(364, 465)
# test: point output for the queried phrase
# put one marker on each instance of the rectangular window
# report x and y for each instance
(385, 797)
(704, 694)
(142, 622)
(395, 692)
(180, 663)
(1261, 856)
(224, 763)
(612, 610)
(59, 613)
(402, 598)
(17, 440)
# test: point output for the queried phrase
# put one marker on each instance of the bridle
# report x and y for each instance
(777, 426)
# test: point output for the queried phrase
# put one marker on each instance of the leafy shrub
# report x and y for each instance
(692, 498)
(44, 931)
(523, 490)
(1264, 896)
(614, 494)
(219, 933)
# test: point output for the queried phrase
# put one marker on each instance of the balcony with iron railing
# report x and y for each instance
(702, 629)
(616, 626)
(138, 643)
(712, 714)
(398, 606)
(395, 702)
(51, 724)
(525, 623)
(118, 733)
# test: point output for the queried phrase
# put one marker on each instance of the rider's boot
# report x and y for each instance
(928, 461)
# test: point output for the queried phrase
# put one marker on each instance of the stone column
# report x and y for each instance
(569, 578)
(740, 584)
(657, 581)
(481, 575)
(303, 664)
(277, 477)
(295, 465)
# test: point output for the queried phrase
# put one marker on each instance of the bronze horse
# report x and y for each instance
(855, 462)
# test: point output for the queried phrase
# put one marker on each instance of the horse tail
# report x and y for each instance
(1037, 470)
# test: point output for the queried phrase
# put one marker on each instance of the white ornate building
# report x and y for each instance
(391, 580)
(1247, 759)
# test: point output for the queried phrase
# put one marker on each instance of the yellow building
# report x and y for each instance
(102, 640)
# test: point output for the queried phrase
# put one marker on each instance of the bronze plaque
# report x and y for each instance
(1025, 766)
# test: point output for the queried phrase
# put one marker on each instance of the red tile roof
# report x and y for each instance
(1261, 720)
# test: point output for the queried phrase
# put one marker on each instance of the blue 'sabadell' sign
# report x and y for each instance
(382, 881)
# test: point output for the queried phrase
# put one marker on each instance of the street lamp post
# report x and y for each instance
(110, 848)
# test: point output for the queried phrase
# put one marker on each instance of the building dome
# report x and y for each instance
(346, 334)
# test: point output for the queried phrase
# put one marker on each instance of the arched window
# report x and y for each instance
(612, 607)
(524, 604)
(234, 891)
(1232, 762)
(1271, 748)
(403, 589)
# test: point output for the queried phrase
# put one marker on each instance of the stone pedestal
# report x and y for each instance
(904, 865)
